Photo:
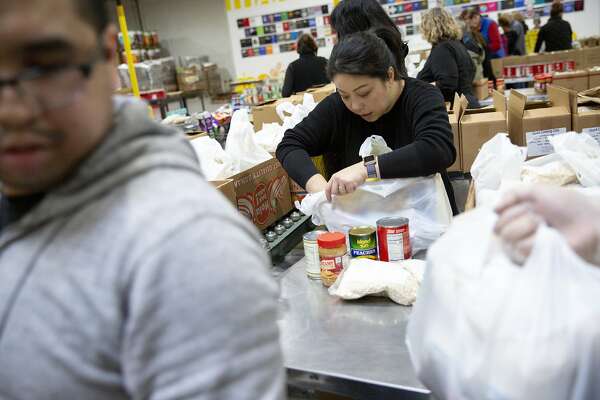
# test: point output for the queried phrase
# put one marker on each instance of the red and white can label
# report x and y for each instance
(394, 243)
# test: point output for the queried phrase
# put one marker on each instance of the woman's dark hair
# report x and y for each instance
(556, 10)
(353, 16)
(370, 53)
(306, 45)
(469, 13)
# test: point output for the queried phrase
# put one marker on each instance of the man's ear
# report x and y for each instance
(109, 43)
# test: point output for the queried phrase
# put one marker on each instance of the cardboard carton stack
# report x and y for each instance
(585, 112)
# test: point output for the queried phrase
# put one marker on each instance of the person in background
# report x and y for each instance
(117, 278)
(351, 16)
(517, 16)
(532, 35)
(308, 71)
(491, 34)
(449, 66)
(518, 26)
(372, 98)
(575, 215)
(511, 36)
(475, 45)
(557, 33)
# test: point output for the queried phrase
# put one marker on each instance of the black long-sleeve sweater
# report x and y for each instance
(451, 68)
(416, 128)
(307, 71)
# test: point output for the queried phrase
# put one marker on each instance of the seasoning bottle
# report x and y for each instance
(333, 256)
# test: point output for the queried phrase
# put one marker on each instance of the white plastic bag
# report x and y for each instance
(484, 328)
(398, 281)
(422, 200)
(241, 144)
(374, 146)
(269, 137)
(214, 162)
(291, 114)
(498, 160)
(582, 153)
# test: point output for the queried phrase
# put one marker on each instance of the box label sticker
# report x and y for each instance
(538, 143)
(593, 132)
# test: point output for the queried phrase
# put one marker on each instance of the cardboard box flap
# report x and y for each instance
(589, 96)
(569, 74)
(499, 101)
(516, 108)
(482, 117)
(460, 105)
(559, 97)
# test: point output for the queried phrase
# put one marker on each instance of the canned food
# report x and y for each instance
(311, 254)
(363, 242)
(393, 238)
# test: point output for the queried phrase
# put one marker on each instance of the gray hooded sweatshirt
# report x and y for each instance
(136, 279)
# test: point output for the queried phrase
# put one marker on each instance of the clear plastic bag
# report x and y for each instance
(484, 328)
(582, 153)
(422, 200)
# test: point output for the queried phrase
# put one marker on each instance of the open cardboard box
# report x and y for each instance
(227, 189)
(585, 111)
(460, 103)
(573, 80)
(479, 126)
(263, 193)
(532, 128)
(320, 93)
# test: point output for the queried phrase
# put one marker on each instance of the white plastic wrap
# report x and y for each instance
(215, 163)
(582, 153)
(399, 281)
(292, 115)
(374, 146)
(484, 328)
(269, 137)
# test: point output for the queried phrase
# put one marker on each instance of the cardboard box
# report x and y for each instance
(263, 193)
(532, 128)
(265, 114)
(480, 88)
(585, 115)
(573, 80)
(321, 93)
(594, 77)
(189, 80)
(227, 189)
(479, 126)
(591, 57)
(460, 103)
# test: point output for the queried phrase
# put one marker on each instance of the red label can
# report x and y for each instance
(393, 239)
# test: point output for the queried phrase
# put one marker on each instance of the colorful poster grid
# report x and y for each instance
(278, 32)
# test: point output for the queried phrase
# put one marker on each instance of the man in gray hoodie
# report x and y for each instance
(123, 274)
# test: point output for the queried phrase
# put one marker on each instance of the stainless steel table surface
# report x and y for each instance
(347, 347)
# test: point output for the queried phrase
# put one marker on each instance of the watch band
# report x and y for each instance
(370, 163)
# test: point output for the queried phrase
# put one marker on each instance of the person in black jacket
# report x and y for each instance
(308, 71)
(557, 33)
(371, 98)
(449, 66)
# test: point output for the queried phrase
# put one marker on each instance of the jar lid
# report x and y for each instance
(331, 240)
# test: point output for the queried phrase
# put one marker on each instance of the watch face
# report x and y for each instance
(368, 159)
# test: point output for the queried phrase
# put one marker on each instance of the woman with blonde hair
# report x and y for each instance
(449, 66)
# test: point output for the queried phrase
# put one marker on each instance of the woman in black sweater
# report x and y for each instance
(449, 65)
(372, 98)
(308, 71)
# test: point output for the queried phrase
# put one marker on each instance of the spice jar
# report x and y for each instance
(333, 256)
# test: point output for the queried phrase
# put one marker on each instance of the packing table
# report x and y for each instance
(351, 348)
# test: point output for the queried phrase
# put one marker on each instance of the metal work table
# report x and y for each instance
(354, 349)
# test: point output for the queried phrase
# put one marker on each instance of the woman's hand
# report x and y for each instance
(346, 181)
(573, 214)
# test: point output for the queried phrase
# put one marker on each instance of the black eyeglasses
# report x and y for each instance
(50, 87)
